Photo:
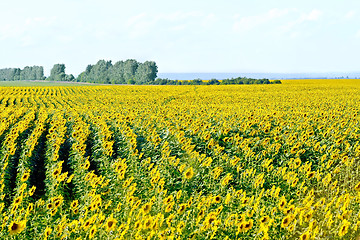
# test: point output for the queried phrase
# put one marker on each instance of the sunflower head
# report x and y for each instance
(25, 176)
(18, 200)
(74, 204)
(189, 173)
(92, 232)
(264, 219)
(16, 227)
(282, 203)
(146, 208)
(241, 227)
(285, 222)
(248, 225)
(182, 208)
(49, 206)
(357, 187)
(110, 224)
(47, 232)
(56, 173)
(217, 199)
(32, 190)
(147, 223)
(168, 199)
(201, 213)
(305, 236)
(137, 225)
(57, 203)
(344, 228)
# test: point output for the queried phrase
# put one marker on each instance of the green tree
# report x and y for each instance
(146, 72)
(57, 73)
(117, 73)
(70, 78)
(39, 72)
(130, 67)
(129, 71)
(101, 71)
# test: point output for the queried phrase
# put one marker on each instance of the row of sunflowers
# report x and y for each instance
(181, 162)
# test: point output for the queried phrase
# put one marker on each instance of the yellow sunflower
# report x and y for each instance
(25, 176)
(305, 236)
(189, 173)
(18, 200)
(344, 228)
(47, 232)
(181, 209)
(74, 204)
(146, 208)
(56, 173)
(357, 187)
(248, 225)
(147, 223)
(217, 199)
(264, 219)
(32, 190)
(285, 222)
(110, 224)
(92, 231)
(16, 227)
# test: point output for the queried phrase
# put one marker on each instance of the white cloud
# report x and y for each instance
(276, 13)
(178, 16)
(22, 27)
(65, 38)
(133, 20)
(314, 15)
(27, 41)
(142, 24)
(358, 34)
(208, 20)
(350, 14)
(35, 21)
(249, 22)
(294, 35)
(5, 31)
(236, 16)
(178, 27)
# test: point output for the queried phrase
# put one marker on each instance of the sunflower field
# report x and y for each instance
(276, 161)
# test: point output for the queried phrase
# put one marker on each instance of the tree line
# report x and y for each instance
(198, 81)
(122, 72)
(28, 73)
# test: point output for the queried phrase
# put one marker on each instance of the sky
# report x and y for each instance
(183, 36)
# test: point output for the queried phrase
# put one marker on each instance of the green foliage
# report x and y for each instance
(130, 67)
(146, 72)
(28, 73)
(70, 78)
(117, 73)
(239, 80)
(213, 82)
(122, 72)
(35, 83)
(245, 80)
(58, 74)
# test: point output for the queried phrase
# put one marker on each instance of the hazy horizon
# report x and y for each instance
(209, 75)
